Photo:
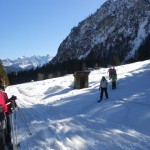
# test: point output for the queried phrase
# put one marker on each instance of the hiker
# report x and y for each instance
(10, 106)
(3, 110)
(114, 72)
(113, 79)
(103, 88)
(110, 72)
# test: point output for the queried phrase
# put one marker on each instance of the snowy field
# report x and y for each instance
(62, 118)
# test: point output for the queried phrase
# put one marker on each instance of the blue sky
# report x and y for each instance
(37, 27)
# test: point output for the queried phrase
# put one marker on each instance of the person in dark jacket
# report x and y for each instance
(103, 88)
(110, 71)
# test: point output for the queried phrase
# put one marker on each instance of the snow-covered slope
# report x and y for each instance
(62, 118)
(25, 63)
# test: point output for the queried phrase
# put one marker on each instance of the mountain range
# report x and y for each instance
(115, 31)
(25, 63)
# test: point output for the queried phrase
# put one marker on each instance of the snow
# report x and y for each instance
(62, 118)
(140, 37)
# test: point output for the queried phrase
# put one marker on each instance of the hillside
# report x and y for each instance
(112, 35)
(62, 118)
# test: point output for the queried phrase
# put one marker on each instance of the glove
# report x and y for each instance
(13, 97)
(12, 104)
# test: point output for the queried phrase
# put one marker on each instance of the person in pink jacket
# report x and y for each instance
(3, 111)
(7, 109)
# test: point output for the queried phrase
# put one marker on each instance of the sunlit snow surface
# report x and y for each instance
(62, 118)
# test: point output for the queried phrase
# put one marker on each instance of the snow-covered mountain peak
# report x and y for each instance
(24, 62)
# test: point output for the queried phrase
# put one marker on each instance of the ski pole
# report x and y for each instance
(13, 131)
(24, 119)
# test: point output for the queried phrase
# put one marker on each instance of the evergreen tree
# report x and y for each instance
(3, 73)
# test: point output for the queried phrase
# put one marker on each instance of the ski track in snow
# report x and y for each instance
(63, 118)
